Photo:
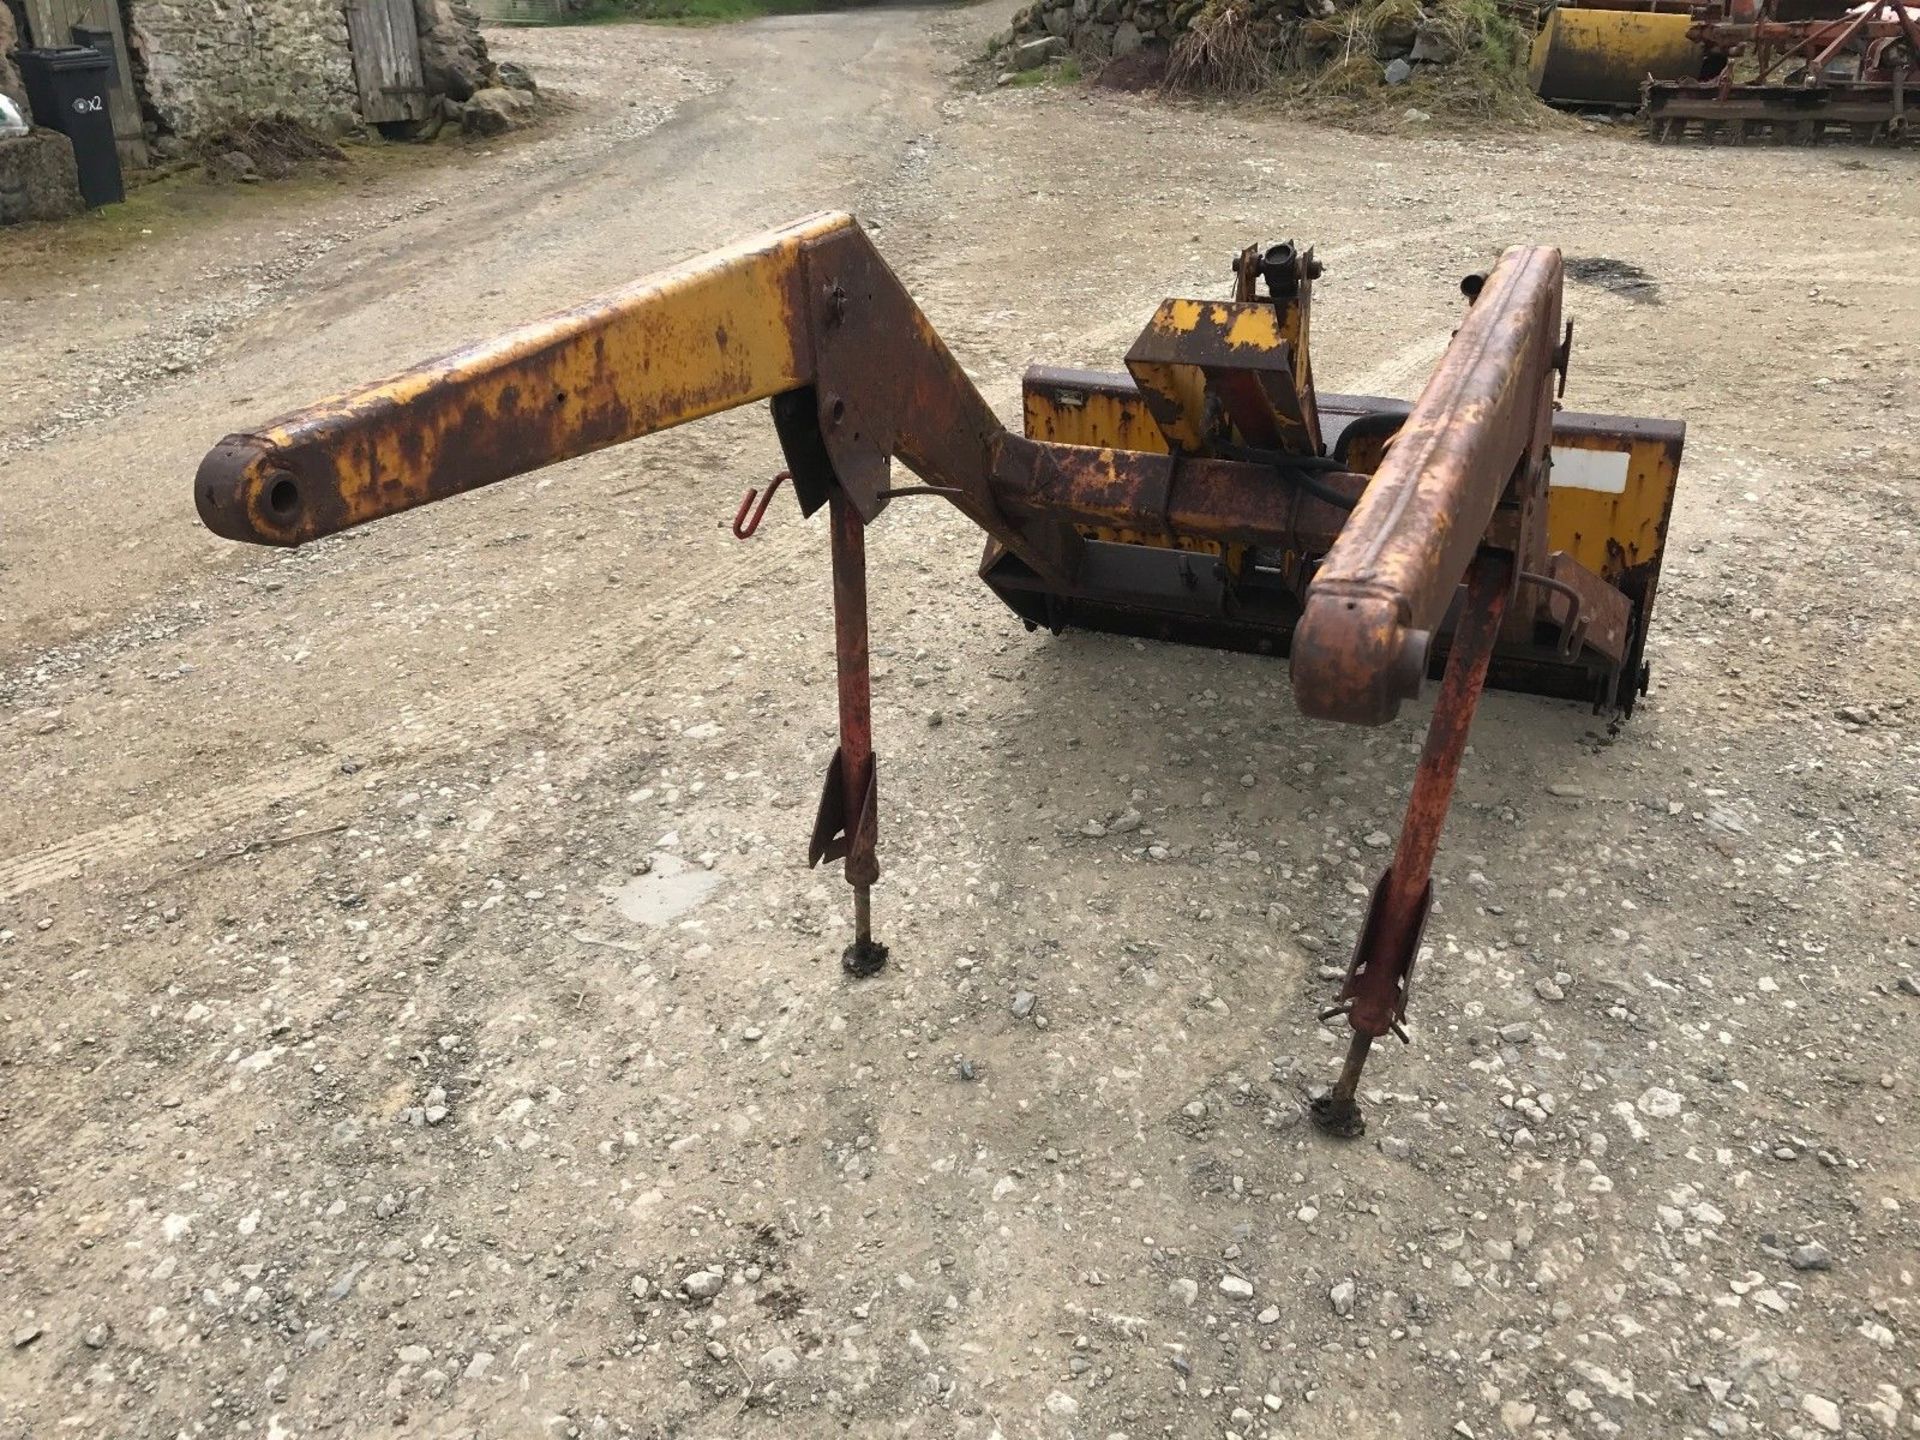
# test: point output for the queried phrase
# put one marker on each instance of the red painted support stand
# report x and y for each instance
(848, 823)
(1374, 997)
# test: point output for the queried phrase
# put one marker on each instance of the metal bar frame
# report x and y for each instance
(811, 318)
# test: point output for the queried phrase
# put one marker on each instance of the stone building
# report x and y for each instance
(202, 63)
(194, 66)
(184, 70)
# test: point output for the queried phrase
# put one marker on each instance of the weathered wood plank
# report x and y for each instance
(386, 60)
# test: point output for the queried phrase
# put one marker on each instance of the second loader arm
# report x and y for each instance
(1422, 532)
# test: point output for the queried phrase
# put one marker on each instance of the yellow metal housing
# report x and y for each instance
(1612, 483)
(1585, 56)
(1248, 356)
(1609, 530)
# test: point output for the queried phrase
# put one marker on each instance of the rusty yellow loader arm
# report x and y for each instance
(1209, 495)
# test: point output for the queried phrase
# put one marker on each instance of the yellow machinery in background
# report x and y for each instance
(1599, 52)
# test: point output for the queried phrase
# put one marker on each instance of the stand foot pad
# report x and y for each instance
(864, 958)
(1338, 1116)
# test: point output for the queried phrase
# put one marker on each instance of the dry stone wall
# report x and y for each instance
(206, 63)
(209, 61)
(1115, 29)
(204, 66)
(38, 179)
(1099, 28)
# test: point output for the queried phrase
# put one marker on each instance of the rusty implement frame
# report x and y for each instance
(1211, 496)
(1794, 72)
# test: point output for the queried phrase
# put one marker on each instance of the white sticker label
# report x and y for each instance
(1578, 469)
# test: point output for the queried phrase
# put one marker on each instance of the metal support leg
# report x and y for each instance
(1374, 997)
(848, 822)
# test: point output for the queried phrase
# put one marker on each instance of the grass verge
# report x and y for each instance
(1335, 71)
(1060, 72)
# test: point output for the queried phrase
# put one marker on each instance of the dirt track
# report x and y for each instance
(299, 845)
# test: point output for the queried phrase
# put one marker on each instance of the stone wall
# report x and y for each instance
(1114, 29)
(38, 178)
(1103, 29)
(453, 56)
(10, 85)
(205, 62)
(203, 65)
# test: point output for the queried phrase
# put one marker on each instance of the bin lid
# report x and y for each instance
(66, 57)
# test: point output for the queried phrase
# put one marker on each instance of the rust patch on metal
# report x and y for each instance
(1379, 981)
(1479, 429)
(702, 337)
(1807, 73)
(1223, 501)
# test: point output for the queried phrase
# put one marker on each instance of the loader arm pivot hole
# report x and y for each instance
(1210, 495)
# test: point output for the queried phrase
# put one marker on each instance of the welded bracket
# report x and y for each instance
(839, 836)
(886, 386)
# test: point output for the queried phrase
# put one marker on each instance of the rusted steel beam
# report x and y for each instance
(1801, 113)
(1479, 430)
(1191, 498)
(715, 333)
(1802, 37)
(1374, 997)
(807, 310)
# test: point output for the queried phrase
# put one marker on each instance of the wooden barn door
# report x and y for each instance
(386, 60)
(52, 23)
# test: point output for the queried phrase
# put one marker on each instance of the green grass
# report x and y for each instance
(1060, 72)
(1501, 44)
